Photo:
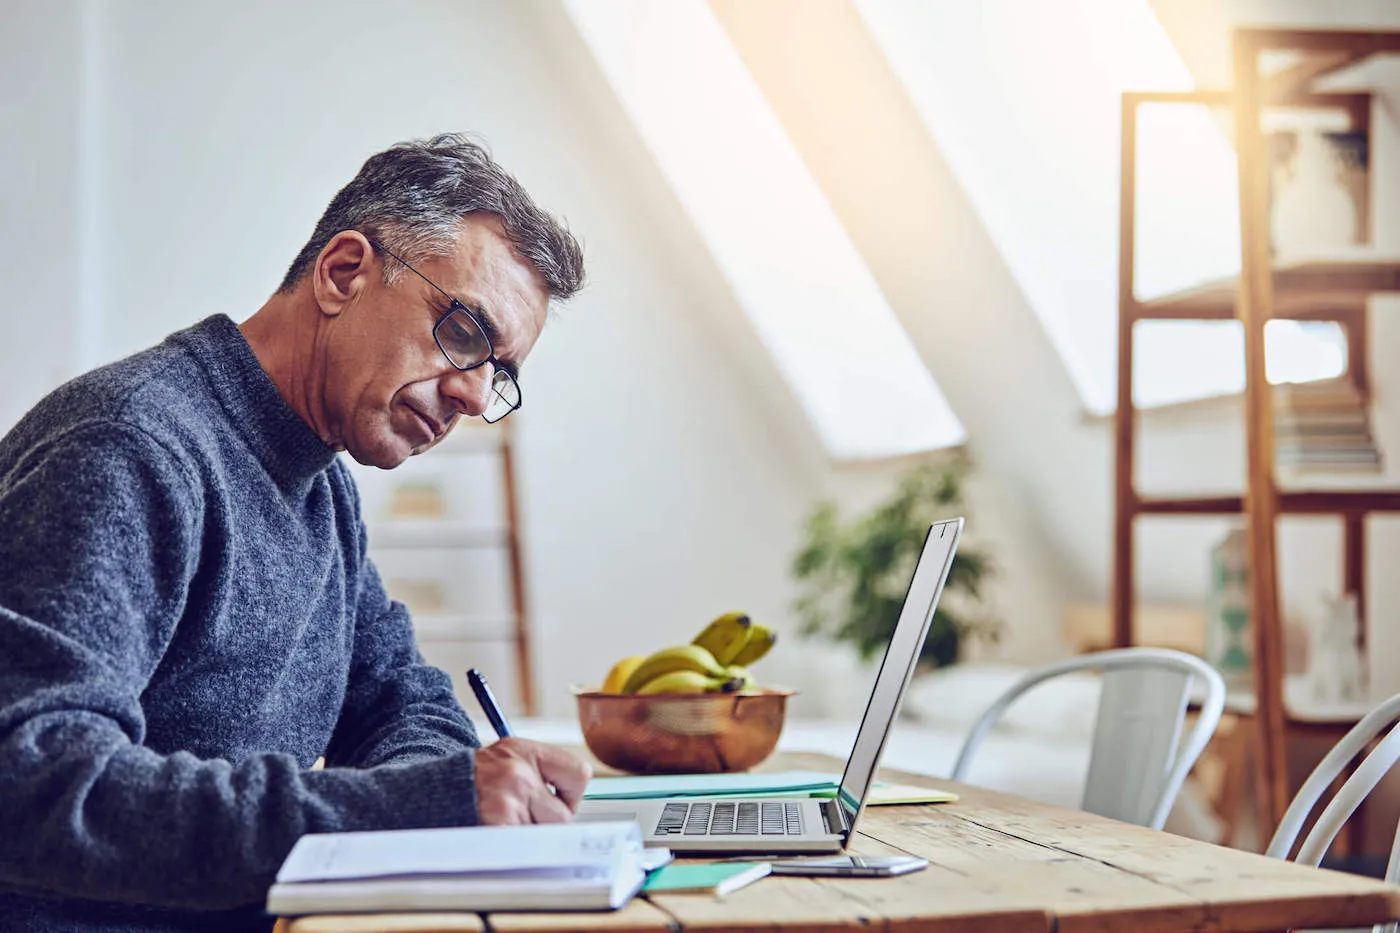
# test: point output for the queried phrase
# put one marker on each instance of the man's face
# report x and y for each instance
(389, 392)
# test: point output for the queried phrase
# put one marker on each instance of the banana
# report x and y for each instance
(688, 682)
(725, 636)
(745, 678)
(761, 638)
(678, 658)
(618, 674)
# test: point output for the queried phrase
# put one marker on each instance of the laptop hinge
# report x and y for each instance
(835, 818)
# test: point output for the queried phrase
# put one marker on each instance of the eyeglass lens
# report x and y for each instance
(462, 339)
(505, 397)
(466, 345)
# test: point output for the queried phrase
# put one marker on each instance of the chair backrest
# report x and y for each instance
(1138, 762)
(1344, 803)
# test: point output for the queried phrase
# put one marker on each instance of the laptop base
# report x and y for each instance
(653, 816)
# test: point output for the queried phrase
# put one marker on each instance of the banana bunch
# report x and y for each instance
(715, 662)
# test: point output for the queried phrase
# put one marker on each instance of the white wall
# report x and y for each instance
(688, 416)
(40, 243)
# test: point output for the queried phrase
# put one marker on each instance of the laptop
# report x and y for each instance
(751, 824)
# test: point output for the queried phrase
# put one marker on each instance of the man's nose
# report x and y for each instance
(469, 389)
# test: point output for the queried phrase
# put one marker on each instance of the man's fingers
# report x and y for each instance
(519, 778)
(546, 808)
(568, 774)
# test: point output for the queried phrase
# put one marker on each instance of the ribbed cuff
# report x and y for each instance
(429, 793)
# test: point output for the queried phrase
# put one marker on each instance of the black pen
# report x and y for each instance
(487, 699)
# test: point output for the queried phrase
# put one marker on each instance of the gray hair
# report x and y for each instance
(412, 198)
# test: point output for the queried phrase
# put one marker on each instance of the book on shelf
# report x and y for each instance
(1323, 426)
(565, 866)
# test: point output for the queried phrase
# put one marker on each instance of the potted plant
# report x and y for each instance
(854, 574)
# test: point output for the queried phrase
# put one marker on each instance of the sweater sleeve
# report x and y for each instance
(397, 707)
(99, 539)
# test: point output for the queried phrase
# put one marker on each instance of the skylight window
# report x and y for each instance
(813, 302)
(1023, 99)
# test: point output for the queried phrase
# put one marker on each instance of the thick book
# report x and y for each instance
(566, 866)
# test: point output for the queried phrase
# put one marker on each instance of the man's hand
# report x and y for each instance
(513, 778)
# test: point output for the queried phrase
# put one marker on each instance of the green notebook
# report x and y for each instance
(635, 787)
(717, 878)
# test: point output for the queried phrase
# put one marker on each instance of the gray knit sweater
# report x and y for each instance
(187, 621)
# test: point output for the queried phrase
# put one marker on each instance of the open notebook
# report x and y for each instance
(579, 866)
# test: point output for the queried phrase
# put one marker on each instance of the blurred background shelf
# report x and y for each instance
(1313, 501)
(449, 627)
(1276, 281)
(436, 533)
(444, 532)
(1313, 289)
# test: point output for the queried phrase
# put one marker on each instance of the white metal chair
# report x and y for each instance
(1344, 803)
(1137, 762)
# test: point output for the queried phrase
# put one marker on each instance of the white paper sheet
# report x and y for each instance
(467, 850)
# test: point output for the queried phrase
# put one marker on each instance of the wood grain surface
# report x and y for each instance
(997, 863)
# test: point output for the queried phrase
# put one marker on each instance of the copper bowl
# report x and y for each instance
(674, 733)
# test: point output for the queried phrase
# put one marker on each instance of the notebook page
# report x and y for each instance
(581, 888)
(339, 856)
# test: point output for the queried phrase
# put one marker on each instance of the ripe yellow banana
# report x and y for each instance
(678, 658)
(761, 638)
(745, 678)
(618, 674)
(725, 636)
(688, 682)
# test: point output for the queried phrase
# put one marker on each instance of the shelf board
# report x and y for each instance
(1301, 707)
(443, 626)
(434, 533)
(1189, 505)
(473, 437)
(1304, 502)
(1314, 289)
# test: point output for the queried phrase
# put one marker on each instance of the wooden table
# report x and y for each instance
(998, 863)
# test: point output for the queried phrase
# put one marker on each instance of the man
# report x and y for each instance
(188, 619)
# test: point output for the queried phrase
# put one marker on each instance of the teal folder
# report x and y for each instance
(717, 878)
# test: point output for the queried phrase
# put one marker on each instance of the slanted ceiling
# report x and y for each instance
(1023, 102)
(995, 246)
(812, 301)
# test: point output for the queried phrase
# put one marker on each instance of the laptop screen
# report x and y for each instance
(897, 668)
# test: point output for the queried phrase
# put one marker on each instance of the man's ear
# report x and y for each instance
(342, 271)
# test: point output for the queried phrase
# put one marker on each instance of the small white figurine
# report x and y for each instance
(1335, 671)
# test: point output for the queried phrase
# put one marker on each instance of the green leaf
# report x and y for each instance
(854, 574)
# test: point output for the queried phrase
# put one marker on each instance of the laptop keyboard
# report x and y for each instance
(730, 818)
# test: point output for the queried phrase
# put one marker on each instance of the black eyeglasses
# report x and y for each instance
(465, 343)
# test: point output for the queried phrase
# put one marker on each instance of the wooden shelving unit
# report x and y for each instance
(1314, 290)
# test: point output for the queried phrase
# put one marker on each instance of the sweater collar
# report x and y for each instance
(286, 446)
